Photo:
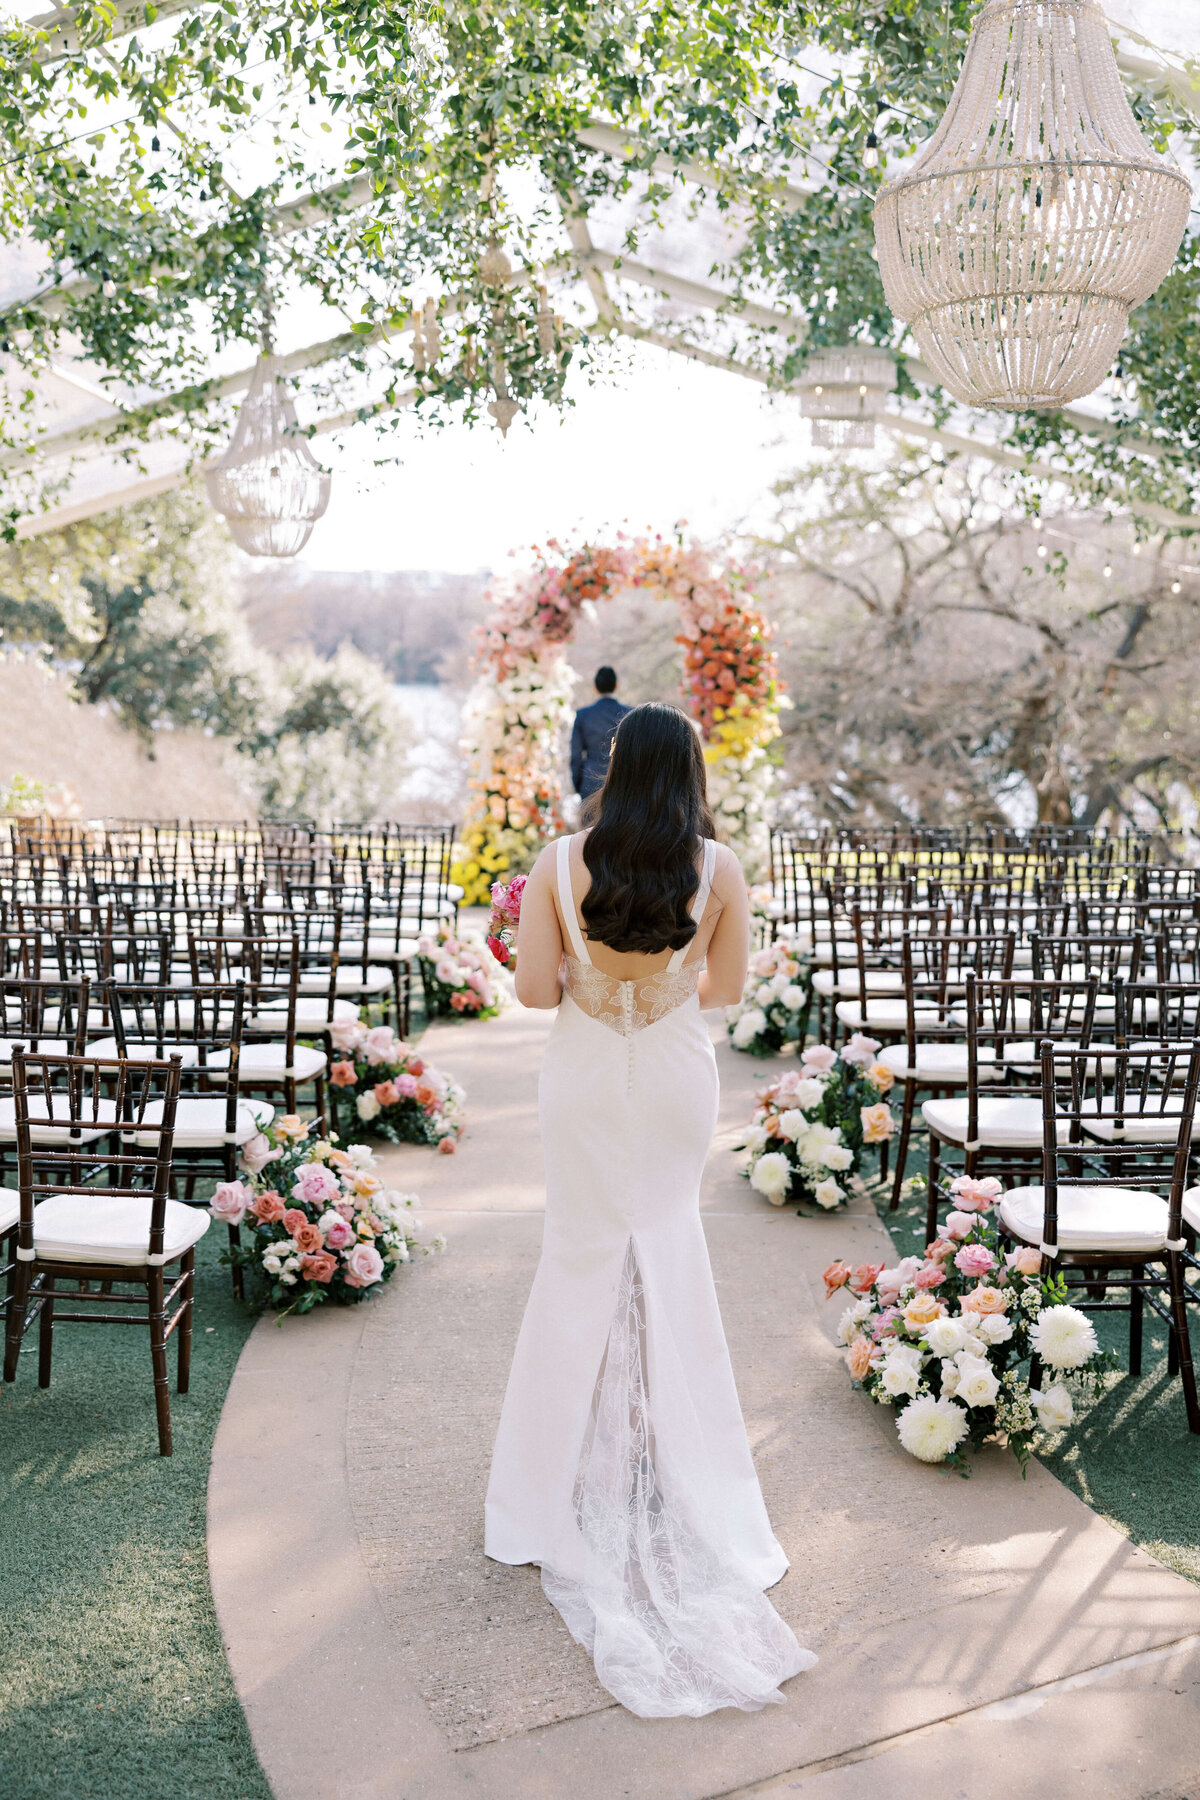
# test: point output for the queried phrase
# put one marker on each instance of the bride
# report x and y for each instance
(621, 1464)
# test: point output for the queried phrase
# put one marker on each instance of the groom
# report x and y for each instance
(593, 732)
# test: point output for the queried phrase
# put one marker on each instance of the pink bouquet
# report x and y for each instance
(506, 916)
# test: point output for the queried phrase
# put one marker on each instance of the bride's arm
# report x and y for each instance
(539, 938)
(724, 974)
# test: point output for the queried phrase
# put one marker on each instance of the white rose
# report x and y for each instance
(838, 1156)
(751, 1025)
(792, 997)
(848, 1325)
(271, 1263)
(772, 1177)
(368, 1107)
(977, 1383)
(949, 1379)
(994, 1328)
(827, 1193)
(899, 1377)
(906, 1353)
(793, 1124)
(1055, 1408)
(944, 1336)
(809, 1092)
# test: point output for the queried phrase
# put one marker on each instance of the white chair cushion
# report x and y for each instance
(349, 981)
(889, 1015)
(879, 981)
(45, 1047)
(265, 1062)
(10, 1209)
(1089, 1218)
(106, 1050)
(1136, 1128)
(823, 953)
(383, 949)
(1004, 1123)
(311, 1015)
(200, 1122)
(935, 1062)
(97, 1228)
(1191, 1208)
(53, 1133)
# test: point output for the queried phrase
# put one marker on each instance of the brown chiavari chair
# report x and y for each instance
(1117, 1147)
(269, 967)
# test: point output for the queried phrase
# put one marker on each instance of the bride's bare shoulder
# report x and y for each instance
(727, 872)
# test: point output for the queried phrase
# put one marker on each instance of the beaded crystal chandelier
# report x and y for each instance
(1035, 217)
(268, 485)
(843, 392)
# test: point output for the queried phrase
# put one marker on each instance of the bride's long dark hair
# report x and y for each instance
(646, 825)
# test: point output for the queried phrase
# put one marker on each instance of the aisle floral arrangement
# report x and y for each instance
(942, 1338)
(315, 1222)
(460, 976)
(396, 1094)
(809, 1129)
(516, 710)
(773, 1010)
(505, 920)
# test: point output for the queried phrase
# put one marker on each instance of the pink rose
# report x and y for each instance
(863, 1278)
(498, 948)
(385, 1093)
(406, 1086)
(318, 1266)
(447, 1146)
(984, 1299)
(931, 1276)
(363, 1266)
(516, 888)
(836, 1276)
(338, 1233)
(958, 1224)
(342, 1074)
(976, 1196)
(818, 1059)
(230, 1201)
(257, 1153)
(860, 1050)
(974, 1260)
(415, 1066)
(315, 1185)
(890, 1281)
(380, 1045)
(346, 1034)
(1026, 1260)
(939, 1250)
(268, 1207)
(884, 1323)
(293, 1219)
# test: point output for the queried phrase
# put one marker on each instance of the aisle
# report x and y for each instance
(990, 1637)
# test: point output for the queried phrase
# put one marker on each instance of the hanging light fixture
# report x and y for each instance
(269, 486)
(843, 392)
(1034, 218)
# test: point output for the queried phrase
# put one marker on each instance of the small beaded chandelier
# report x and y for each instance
(268, 485)
(843, 392)
(1034, 218)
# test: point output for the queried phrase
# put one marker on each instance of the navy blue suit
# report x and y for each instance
(591, 742)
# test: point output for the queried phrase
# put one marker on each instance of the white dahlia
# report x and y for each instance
(1063, 1337)
(932, 1429)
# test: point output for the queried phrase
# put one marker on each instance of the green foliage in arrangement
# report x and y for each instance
(156, 176)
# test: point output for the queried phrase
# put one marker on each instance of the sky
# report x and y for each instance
(659, 440)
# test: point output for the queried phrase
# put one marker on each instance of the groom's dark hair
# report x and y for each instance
(650, 817)
(606, 680)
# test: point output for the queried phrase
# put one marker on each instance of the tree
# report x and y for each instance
(951, 658)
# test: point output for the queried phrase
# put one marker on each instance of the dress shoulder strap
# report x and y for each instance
(566, 901)
(701, 900)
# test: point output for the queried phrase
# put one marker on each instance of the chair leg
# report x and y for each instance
(1136, 1317)
(1179, 1330)
(932, 1197)
(46, 1332)
(183, 1366)
(18, 1308)
(910, 1101)
(158, 1356)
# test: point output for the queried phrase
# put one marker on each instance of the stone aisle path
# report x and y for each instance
(977, 1638)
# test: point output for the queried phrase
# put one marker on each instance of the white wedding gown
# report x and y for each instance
(621, 1464)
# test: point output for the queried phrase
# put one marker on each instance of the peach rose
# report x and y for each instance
(863, 1278)
(880, 1076)
(835, 1276)
(984, 1299)
(922, 1310)
(342, 1074)
(426, 1094)
(1026, 1259)
(269, 1207)
(340, 1160)
(939, 1250)
(931, 1276)
(858, 1357)
(293, 1219)
(290, 1125)
(308, 1239)
(385, 1093)
(877, 1123)
(447, 1146)
(318, 1266)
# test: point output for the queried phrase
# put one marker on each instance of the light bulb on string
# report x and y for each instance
(1107, 570)
(1041, 550)
(1175, 586)
(870, 155)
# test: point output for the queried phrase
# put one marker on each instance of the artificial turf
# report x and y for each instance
(115, 1685)
(1129, 1453)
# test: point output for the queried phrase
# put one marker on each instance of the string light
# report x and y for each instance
(870, 156)
(1175, 586)
(1108, 569)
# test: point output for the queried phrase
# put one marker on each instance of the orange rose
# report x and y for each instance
(293, 1219)
(858, 1357)
(426, 1095)
(922, 1310)
(308, 1239)
(880, 1076)
(984, 1299)
(342, 1074)
(319, 1266)
(268, 1207)
(877, 1123)
(835, 1276)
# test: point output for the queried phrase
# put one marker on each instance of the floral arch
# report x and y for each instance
(516, 710)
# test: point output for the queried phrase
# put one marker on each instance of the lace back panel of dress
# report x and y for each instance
(671, 1627)
(629, 1006)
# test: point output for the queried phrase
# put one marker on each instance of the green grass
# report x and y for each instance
(115, 1685)
(1129, 1453)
